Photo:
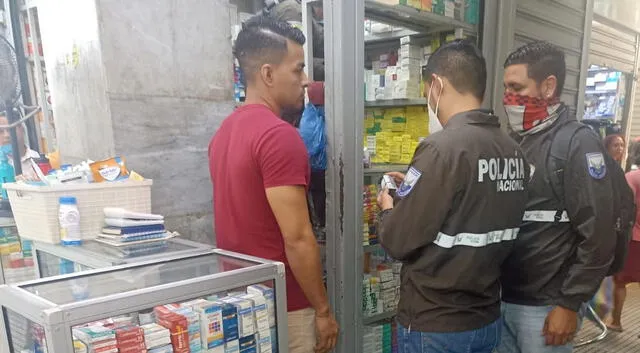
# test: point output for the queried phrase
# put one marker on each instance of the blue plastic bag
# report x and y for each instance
(314, 137)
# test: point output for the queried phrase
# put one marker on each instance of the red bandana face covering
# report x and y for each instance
(528, 115)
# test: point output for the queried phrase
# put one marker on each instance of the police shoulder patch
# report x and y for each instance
(410, 180)
(596, 165)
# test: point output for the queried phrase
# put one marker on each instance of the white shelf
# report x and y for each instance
(368, 320)
(388, 36)
(413, 19)
(390, 103)
(385, 168)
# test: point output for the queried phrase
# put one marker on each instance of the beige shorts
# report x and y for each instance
(302, 331)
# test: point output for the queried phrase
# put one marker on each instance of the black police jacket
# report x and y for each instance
(454, 221)
(562, 260)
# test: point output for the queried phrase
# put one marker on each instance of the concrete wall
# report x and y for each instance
(165, 77)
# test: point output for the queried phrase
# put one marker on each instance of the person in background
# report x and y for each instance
(633, 149)
(631, 271)
(615, 146)
(25, 152)
(456, 213)
(260, 173)
(566, 243)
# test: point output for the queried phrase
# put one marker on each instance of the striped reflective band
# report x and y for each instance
(545, 216)
(476, 240)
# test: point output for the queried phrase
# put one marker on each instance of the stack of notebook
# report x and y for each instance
(125, 228)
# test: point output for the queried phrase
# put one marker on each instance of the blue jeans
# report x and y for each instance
(522, 330)
(483, 340)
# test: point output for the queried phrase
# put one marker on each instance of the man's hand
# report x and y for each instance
(385, 201)
(326, 332)
(397, 177)
(560, 326)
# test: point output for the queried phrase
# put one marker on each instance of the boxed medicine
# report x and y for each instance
(264, 341)
(244, 307)
(410, 51)
(211, 326)
(260, 313)
(248, 344)
(229, 321)
(232, 346)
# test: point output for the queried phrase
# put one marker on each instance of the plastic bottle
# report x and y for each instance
(7, 173)
(69, 218)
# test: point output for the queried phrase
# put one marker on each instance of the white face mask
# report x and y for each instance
(434, 122)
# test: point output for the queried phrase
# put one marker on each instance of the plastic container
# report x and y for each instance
(69, 218)
(35, 208)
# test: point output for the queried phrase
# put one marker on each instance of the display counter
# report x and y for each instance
(146, 298)
(54, 260)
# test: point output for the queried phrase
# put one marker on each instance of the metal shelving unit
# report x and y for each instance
(345, 43)
(37, 72)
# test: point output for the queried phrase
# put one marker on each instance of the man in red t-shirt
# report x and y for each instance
(260, 173)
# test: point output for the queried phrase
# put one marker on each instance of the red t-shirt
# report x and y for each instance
(254, 150)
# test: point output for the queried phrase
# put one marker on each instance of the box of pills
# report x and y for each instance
(229, 321)
(248, 344)
(211, 331)
(245, 315)
(163, 349)
(385, 275)
(269, 294)
(232, 346)
(260, 312)
(410, 51)
(264, 341)
(93, 334)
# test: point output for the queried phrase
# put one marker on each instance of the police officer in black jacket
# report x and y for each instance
(456, 213)
(563, 251)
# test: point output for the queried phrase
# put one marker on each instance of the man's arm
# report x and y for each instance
(421, 208)
(289, 205)
(590, 209)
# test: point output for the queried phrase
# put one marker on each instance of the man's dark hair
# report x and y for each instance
(263, 40)
(543, 59)
(462, 64)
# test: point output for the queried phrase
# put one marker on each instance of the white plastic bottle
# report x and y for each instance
(69, 218)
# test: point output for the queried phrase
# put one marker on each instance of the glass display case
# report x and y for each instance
(202, 302)
(54, 260)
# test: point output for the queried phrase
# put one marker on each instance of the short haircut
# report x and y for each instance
(263, 40)
(543, 59)
(462, 64)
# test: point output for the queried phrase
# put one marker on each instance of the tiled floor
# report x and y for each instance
(625, 342)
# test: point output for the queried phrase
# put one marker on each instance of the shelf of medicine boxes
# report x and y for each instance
(369, 320)
(390, 103)
(414, 19)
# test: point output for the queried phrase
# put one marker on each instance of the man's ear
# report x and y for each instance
(549, 87)
(266, 74)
